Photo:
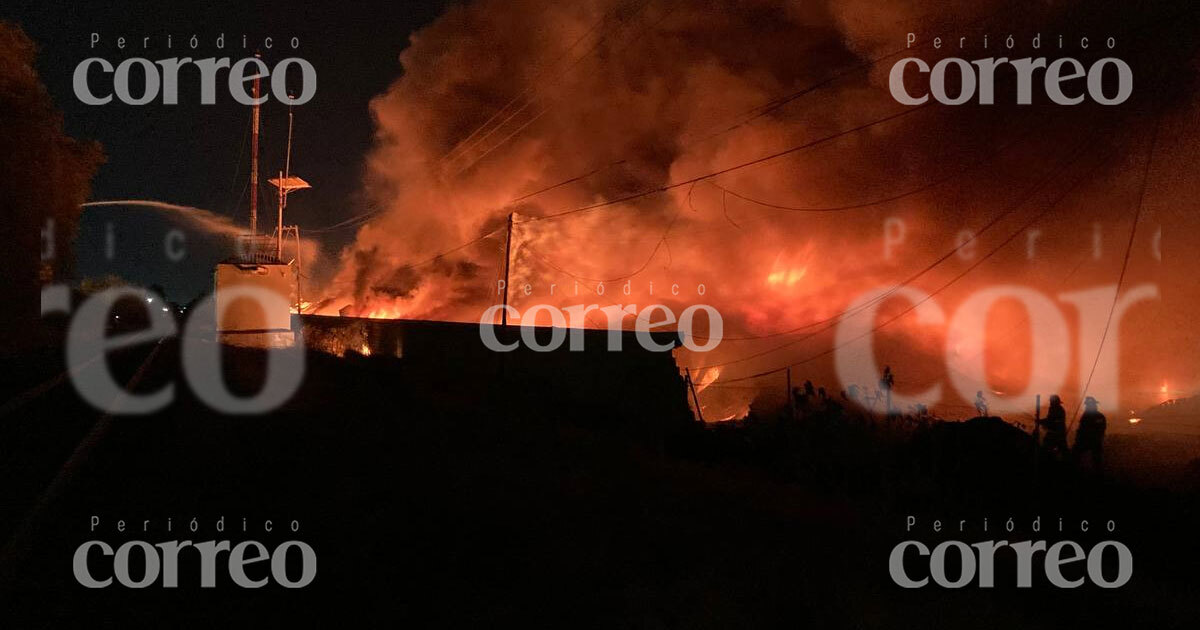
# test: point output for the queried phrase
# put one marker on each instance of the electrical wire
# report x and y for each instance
(1124, 268)
(1025, 197)
(954, 174)
(907, 281)
(754, 112)
(595, 46)
(760, 160)
(354, 221)
(463, 144)
(447, 252)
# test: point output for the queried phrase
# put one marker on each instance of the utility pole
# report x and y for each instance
(507, 259)
(1037, 417)
(279, 224)
(299, 274)
(790, 398)
(888, 380)
(254, 155)
(695, 399)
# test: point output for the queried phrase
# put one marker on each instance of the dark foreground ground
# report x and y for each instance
(427, 513)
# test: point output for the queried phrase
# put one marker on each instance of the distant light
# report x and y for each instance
(165, 309)
(1134, 420)
(149, 300)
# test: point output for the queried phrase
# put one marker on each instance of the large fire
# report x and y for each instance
(786, 278)
(499, 101)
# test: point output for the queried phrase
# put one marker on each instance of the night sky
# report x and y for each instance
(198, 155)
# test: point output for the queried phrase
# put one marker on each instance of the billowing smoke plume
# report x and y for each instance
(500, 99)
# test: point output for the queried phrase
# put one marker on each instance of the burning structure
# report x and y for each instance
(259, 304)
(691, 144)
(638, 388)
(706, 154)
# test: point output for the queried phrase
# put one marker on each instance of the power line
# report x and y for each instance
(779, 102)
(595, 46)
(616, 163)
(503, 140)
(969, 167)
(662, 240)
(571, 180)
(865, 306)
(1009, 332)
(1124, 266)
(929, 296)
(760, 160)
(465, 245)
(640, 269)
(953, 280)
(1061, 283)
(912, 278)
(450, 156)
(753, 113)
(353, 221)
(861, 308)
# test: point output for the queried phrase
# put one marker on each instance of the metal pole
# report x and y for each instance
(507, 258)
(287, 162)
(1037, 416)
(299, 273)
(254, 124)
(283, 177)
(790, 398)
(695, 398)
(279, 223)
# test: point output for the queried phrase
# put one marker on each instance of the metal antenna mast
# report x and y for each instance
(254, 124)
(284, 185)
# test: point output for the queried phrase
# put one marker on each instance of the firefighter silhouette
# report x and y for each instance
(1055, 424)
(1090, 437)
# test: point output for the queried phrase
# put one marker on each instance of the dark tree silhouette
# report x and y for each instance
(44, 174)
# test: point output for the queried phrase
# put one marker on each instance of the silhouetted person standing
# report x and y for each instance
(981, 404)
(885, 383)
(1055, 424)
(1090, 437)
(803, 395)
